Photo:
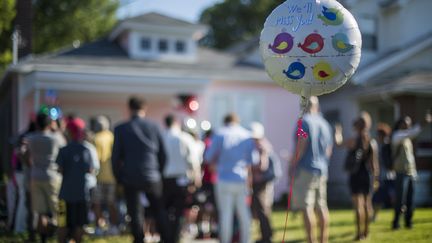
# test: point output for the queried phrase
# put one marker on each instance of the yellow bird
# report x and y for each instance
(323, 71)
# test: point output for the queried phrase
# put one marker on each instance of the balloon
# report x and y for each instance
(310, 47)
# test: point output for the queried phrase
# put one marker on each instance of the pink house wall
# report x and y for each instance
(279, 113)
(279, 110)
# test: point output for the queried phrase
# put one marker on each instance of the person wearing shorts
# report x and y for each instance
(310, 169)
(42, 150)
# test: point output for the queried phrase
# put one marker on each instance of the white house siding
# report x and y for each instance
(399, 26)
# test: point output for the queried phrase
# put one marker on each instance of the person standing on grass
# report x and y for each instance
(231, 153)
(364, 172)
(138, 160)
(263, 175)
(311, 169)
(405, 168)
(384, 196)
(75, 161)
(42, 149)
(179, 145)
(104, 193)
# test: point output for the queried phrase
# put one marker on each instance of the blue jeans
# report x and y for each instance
(404, 196)
(231, 197)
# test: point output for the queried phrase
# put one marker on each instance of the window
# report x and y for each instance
(333, 117)
(145, 43)
(248, 106)
(163, 45)
(369, 42)
(180, 46)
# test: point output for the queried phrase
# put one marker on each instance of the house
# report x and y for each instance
(155, 56)
(394, 79)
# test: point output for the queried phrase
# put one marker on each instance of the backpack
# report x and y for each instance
(355, 157)
(387, 157)
(274, 170)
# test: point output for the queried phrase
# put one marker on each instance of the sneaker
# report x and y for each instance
(155, 238)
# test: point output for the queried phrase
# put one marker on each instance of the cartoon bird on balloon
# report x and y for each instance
(331, 16)
(322, 71)
(312, 44)
(282, 43)
(341, 43)
(295, 70)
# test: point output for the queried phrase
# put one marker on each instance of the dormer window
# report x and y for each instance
(163, 45)
(145, 43)
(180, 46)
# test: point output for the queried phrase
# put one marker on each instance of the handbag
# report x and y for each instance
(274, 170)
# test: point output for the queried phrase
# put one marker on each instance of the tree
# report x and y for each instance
(60, 23)
(235, 20)
(7, 15)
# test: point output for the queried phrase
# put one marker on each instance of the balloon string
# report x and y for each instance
(300, 134)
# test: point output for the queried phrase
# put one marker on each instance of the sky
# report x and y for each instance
(188, 10)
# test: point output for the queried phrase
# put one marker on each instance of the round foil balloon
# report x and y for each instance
(310, 47)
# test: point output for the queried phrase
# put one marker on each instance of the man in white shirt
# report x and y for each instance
(179, 145)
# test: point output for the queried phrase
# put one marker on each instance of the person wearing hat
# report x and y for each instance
(263, 175)
(76, 160)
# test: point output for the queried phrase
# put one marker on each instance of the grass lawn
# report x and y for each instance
(341, 229)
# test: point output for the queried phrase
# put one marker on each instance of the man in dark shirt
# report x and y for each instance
(75, 161)
(138, 160)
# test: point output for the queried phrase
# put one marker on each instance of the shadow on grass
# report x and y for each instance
(341, 223)
(295, 241)
(281, 228)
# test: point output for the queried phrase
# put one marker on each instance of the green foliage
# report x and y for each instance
(235, 20)
(7, 14)
(59, 23)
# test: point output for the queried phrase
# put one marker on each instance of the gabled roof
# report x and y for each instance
(158, 21)
(390, 59)
(99, 48)
(106, 57)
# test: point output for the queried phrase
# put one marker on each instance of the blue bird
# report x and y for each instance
(296, 70)
(331, 16)
(328, 14)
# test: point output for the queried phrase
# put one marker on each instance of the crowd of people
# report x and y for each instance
(384, 171)
(70, 176)
(381, 171)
